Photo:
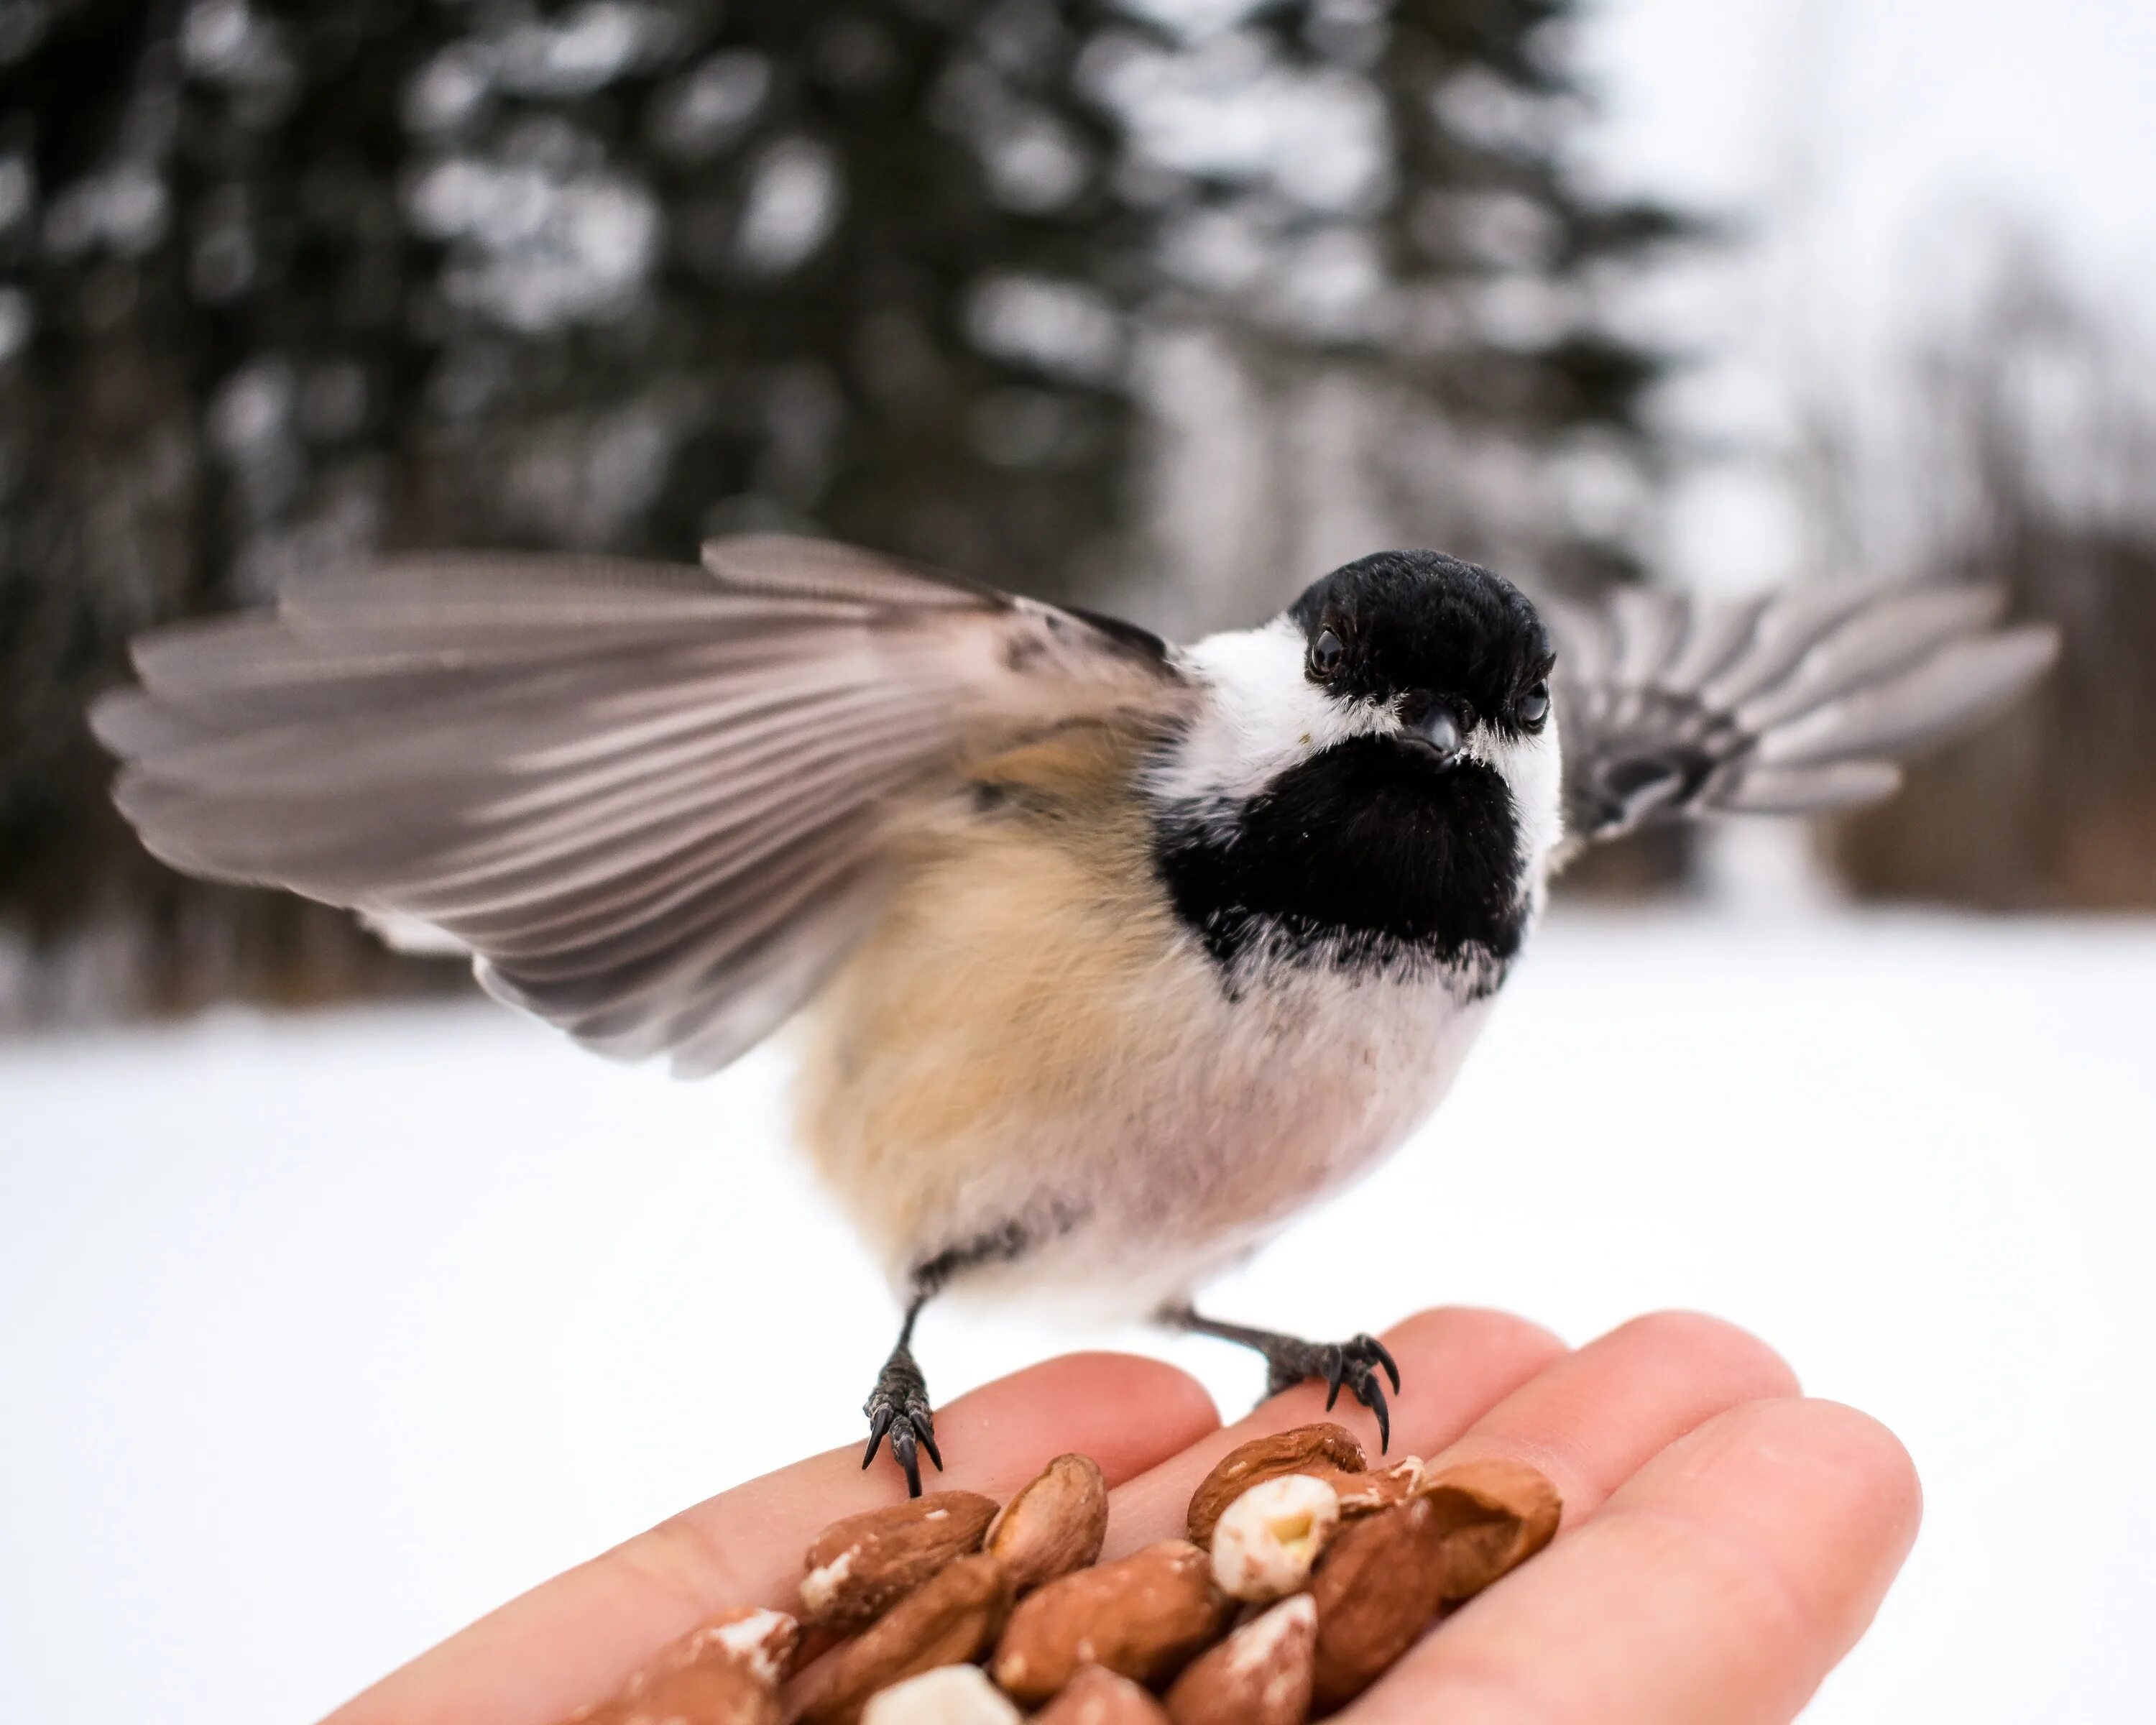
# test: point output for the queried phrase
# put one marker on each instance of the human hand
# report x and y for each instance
(1724, 1541)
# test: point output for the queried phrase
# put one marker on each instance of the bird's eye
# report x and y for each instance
(1326, 653)
(1533, 707)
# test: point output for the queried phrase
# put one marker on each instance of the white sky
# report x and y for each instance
(1867, 144)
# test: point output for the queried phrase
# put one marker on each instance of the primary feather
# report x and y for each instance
(1790, 704)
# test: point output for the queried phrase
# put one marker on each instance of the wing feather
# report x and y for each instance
(1788, 705)
(1952, 688)
(651, 801)
(1760, 789)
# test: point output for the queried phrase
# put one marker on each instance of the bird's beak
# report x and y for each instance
(1437, 733)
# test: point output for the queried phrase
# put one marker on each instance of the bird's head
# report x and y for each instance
(1438, 668)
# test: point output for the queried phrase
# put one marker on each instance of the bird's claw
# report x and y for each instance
(1353, 1365)
(898, 1407)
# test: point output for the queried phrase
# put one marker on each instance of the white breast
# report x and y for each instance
(1271, 1100)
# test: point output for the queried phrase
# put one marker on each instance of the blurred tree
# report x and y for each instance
(2022, 457)
(282, 285)
(1372, 241)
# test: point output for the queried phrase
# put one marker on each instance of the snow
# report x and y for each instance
(322, 1336)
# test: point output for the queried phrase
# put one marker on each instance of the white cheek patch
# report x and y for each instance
(1265, 715)
(1532, 768)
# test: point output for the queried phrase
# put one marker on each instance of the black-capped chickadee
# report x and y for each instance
(1117, 954)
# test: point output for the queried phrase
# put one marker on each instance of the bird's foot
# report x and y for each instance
(1352, 1365)
(898, 1406)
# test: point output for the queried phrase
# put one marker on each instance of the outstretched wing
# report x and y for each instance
(651, 800)
(1802, 701)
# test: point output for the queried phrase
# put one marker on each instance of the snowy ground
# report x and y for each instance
(320, 1338)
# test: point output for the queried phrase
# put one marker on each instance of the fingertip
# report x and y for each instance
(1168, 1390)
(1854, 1455)
(1899, 1483)
(1127, 1411)
(1714, 1347)
(1454, 1330)
(1820, 1497)
(1183, 1407)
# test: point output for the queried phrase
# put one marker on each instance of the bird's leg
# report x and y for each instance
(1353, 1365)
(899, 1403)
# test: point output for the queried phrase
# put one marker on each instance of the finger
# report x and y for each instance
(1596, 1416)
(1720, 1585)
(573, 1639)
(1454, 1362)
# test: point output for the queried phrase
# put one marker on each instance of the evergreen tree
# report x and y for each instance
(283, 284)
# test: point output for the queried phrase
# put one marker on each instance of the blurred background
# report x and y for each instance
(1167, 305)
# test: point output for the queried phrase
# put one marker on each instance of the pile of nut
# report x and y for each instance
(1305, 1576)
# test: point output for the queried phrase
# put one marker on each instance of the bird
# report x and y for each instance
(1109, 955)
